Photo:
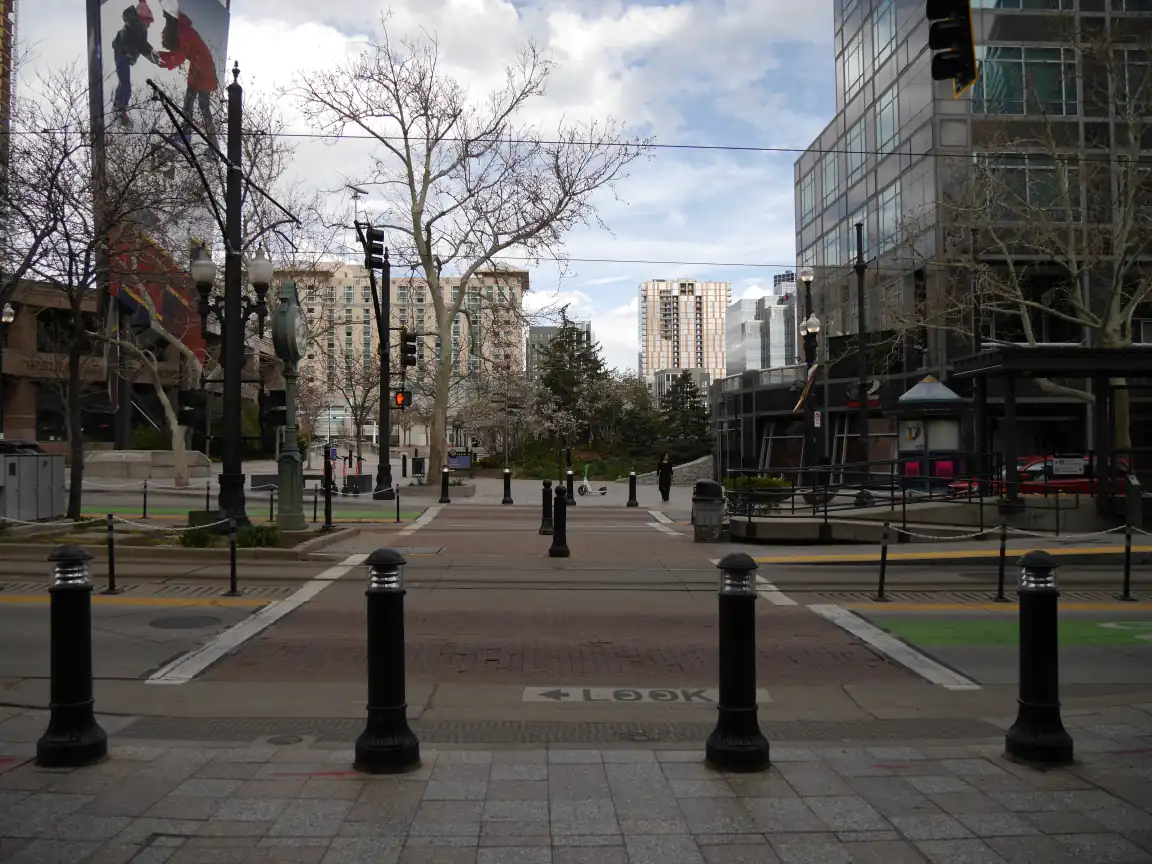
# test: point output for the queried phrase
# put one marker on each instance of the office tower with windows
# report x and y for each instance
(682, 325)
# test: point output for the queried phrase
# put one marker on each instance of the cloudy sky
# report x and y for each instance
(704, 73)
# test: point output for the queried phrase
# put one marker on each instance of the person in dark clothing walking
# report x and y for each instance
(128, 46)
(664, 477)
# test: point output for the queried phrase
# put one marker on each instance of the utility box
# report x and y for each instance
(31, 486)
(707, 511)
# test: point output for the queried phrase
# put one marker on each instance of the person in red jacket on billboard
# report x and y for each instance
(182, 44)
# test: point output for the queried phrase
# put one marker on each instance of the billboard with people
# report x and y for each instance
(180, 44)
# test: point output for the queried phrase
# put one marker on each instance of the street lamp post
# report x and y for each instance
(7, 316)
(809, 328)
(861, 354)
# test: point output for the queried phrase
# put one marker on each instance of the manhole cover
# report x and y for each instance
(185, 622)
(284, 740)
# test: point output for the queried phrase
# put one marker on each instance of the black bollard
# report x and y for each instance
(111, 539)
(144, 515)
(546, 508)
(568, 498)
(736, 744)
(387, 744)
(632, 502)
(403, 464)
(507, 486)
(1126, 589)
(208, 495)
(1038, 735)
(1000, 563)
(328, 483)
(315, 504)
(397, 490)
(271, 505)
(559, 547)
(444, 499)
(881, 595)
(73, 738)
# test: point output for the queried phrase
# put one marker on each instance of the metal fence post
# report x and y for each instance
(110, 525)
(233, 589)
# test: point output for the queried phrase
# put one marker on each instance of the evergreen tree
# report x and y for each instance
(685, 417)
(574, 372)
(639, 421)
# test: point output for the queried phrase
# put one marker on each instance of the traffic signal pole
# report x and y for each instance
(372, 240)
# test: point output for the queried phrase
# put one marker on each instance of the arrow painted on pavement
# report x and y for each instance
(556, 695)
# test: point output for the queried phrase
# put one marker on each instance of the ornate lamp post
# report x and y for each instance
(235, 310)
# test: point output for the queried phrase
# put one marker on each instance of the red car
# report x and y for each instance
(1051, 475)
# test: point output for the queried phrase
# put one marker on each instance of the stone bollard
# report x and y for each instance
(632, 502)
(507, 486)
(444, 499)
(387, 745)
(73, 738)
(403, 464)
(736, 744)
(1038, 735)
(546, 508)
(559, 548)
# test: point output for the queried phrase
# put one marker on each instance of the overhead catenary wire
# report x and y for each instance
(1023, 153)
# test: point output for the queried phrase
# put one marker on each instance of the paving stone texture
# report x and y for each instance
(854, 804)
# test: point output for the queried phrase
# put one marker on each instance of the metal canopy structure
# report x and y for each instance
(1009, 362)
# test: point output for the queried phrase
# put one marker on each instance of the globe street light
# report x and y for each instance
(7, 316)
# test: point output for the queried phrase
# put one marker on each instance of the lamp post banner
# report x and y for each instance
(182, 45)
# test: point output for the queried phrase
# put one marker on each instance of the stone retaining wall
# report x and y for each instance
(682, 475)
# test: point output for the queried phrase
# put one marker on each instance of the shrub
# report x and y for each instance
(197, 538)
(742, 482)
(259, 537)
(150, 438)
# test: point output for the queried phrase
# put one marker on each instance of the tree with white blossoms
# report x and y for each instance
(463, 180)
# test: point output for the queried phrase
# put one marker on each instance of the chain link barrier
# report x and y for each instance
(168, 528)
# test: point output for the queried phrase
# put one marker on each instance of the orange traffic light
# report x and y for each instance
(401, 399)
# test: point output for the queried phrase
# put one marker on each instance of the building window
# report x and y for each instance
(1016, 80)
(1135, 86)
(884, 30)
(832, 250)
(854, 67)
(849, 8)
(349, 294)
(808, 197)
(808, 256)
(887, 120)
(860, 216)
(1022, 187)
(855, 144)
(829, 177)
(889, 217)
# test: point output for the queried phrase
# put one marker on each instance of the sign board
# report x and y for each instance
(817, 419)
(459, 461)
(572, 694)
(332, 454)
(1068, 466)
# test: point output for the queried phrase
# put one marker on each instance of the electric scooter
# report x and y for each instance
(585, 489)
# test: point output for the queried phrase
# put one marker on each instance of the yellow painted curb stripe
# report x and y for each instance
(874, 558)
(995, 607)
(242, 603)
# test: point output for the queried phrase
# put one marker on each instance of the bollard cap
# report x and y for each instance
(1038, 572)
(560, 495)
(737, 574)
(386, 570)
(507, 470)
(547, 484)
(569, 471)
(71, 565)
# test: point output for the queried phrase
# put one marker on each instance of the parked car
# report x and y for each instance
(1051, 475)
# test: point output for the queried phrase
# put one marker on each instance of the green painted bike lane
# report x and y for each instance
(1111, 649)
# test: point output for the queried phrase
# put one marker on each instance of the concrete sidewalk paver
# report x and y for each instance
(915, 802)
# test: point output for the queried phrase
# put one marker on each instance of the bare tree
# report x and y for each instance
(466, 181)
(354, 375)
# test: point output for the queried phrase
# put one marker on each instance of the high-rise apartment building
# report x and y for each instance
(682, 325)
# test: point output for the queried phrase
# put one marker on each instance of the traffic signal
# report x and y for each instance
(274, 410)
(407, 348)
(951, 37)
(401, 399)
(373, 249)
(192, 408)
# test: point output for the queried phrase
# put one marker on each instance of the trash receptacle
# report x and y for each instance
(707, 511)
